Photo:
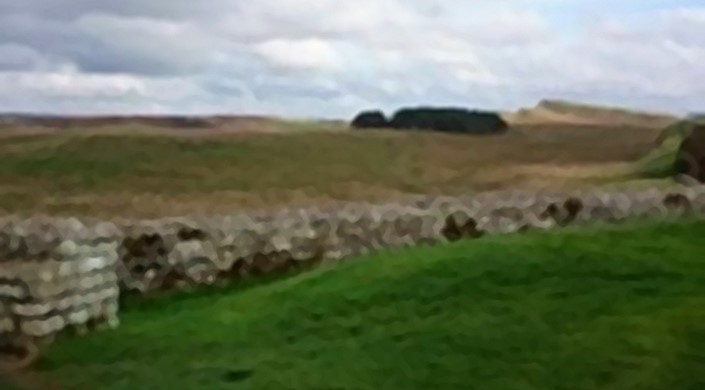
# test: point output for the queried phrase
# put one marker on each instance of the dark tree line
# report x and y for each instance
(447, 120)
(370, 120)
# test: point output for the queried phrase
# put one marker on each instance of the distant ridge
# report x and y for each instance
(546, 112)
(81, 121)
(572, 113)
(14, 124)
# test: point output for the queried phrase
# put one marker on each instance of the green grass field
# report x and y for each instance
(604, 308)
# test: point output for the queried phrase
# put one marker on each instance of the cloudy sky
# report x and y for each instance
(332, 58)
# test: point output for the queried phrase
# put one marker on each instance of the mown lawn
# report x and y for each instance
(619, 308)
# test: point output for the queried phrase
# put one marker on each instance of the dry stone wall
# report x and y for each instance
(57, 273)
(50, 281)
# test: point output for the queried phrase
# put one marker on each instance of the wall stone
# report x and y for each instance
(58, 273)
(48, 284)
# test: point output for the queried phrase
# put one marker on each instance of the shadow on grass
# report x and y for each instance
(135, 301)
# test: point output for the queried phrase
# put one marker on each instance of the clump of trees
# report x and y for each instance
(447, 120)
(370, 120)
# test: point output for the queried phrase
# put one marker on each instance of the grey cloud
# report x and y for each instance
(226, 87)
(287, 89)
(67, 10)
(253, 55)
(14, 57)
(43, 35)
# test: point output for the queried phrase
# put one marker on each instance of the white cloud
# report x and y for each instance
(309, 54)
(70, 84)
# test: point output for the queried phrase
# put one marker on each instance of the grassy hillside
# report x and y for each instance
(661, 160)
(586, 309)
(150, 175)
(557, 111)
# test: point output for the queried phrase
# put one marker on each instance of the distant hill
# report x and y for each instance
(22, 123)
(563, 112)
(173, 121)
(547, 112)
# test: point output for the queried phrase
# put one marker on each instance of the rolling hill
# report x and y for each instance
(558, 112)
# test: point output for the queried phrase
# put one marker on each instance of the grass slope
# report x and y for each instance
(660, 162)
(586, 309)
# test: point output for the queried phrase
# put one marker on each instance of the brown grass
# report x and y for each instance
(562, 112)
(143, 173)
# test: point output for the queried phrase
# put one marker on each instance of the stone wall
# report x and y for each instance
(57, 273)
(49, 282)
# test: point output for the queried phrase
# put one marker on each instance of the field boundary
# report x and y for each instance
(60, 273)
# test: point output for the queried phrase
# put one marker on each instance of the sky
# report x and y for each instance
(334, 58)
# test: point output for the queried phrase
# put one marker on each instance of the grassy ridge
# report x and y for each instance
(585, 309)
